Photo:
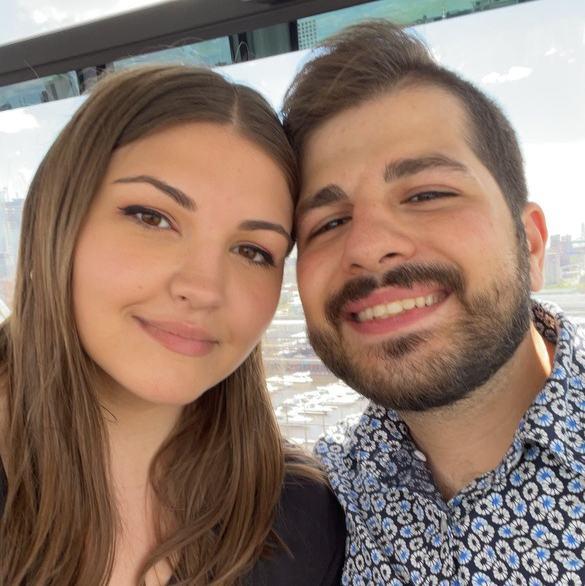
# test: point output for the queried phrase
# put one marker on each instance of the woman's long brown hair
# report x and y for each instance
(218, 477)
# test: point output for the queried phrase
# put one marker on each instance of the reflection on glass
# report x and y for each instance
(25, 136)
(39, 91)
(271, 40)
(536, 70)
(313, 29)
(210, 53)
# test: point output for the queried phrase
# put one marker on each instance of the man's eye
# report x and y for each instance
(330, 225)
(255, 255)
(428, 196)
(148, 217)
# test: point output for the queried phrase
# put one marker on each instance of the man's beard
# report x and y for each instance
(469, 352)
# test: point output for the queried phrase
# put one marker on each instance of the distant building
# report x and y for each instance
(38, 91)
(552, 269)
(12, 210)
(565, 260)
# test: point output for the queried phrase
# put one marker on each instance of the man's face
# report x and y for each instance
(414, 281)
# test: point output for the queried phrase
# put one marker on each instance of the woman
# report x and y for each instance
(137, 436)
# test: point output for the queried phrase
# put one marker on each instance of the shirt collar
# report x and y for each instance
(555, 421)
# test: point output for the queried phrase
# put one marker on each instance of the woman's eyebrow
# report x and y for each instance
(173, 192)
(264, 225)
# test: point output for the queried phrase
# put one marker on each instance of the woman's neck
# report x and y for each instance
(136, 430)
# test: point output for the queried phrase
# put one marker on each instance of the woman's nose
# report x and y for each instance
(199, 279)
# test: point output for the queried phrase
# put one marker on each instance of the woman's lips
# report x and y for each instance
(179, 337)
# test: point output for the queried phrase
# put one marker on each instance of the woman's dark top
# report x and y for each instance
(309, 521)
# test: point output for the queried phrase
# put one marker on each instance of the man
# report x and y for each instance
(417, 252)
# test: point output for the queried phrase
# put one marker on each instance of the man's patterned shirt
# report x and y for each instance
(520, 524)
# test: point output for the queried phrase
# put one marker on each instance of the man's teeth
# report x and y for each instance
(396, 307)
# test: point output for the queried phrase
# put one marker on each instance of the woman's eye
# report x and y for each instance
(255, 255)
(428, 196)
(148, 217)
(330, 225)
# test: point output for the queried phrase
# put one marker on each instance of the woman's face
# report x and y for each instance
(179, 263)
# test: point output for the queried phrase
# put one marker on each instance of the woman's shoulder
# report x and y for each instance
(310, 523)
(308, 500)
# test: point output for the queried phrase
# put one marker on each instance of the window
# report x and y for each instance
(210, 53)
(39, 91)
(535, 70)
(314, 29)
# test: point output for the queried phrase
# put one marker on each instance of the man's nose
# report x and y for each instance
(376, 241)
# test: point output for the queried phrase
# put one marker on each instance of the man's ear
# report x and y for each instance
(536, 237)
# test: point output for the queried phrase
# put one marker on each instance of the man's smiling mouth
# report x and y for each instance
(397, 307)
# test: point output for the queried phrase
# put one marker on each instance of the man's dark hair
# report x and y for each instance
(369, 59)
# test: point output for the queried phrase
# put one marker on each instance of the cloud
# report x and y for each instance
(553, 173)
(51, 14)
(47, 14)
(514, 74)
(13, 121)
(125, 5)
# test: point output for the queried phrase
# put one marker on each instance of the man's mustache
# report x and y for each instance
(407, 276)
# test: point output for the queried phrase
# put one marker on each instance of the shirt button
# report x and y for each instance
(444, 525)
(420, 455)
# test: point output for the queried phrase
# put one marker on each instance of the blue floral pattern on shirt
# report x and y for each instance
(522, 524)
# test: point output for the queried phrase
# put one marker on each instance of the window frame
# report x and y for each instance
(170, 24)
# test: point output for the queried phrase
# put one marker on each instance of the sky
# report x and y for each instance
(22, 19)
(530, 58)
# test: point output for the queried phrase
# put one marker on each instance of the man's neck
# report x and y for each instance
(466, 440)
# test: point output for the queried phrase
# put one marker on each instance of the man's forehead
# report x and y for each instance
(396, 114)
(397, 124)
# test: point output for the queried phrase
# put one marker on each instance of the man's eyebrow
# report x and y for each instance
(264, 225)
(406, 167)
(325, 196)
(176, 194)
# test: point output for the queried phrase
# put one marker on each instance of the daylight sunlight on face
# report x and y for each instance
(414, 284)
(178, 267)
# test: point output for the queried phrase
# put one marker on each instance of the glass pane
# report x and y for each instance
(21, 19)
(536, 71)
(313, 29)
(25, 136)
(271, 40)
(39, 91)
(307, 398)
(210, 53)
